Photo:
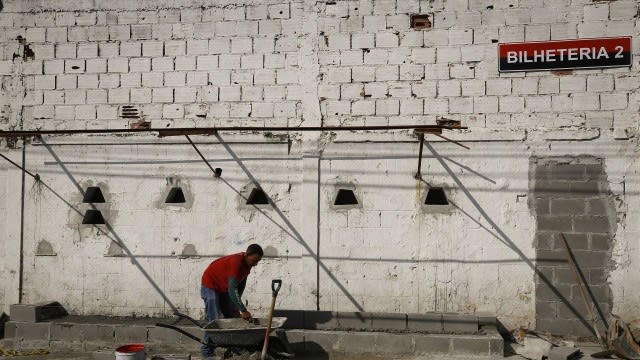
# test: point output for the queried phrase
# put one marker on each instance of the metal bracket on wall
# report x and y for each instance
(438, 133)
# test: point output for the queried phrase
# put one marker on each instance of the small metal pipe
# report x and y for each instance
(419, 173)
(21, 271)
(215, 173)
(211, 130)
(452, 141)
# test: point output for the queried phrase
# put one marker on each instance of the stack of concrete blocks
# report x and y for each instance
(76, 64)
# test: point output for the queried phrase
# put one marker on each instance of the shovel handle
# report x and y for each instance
(275, 286)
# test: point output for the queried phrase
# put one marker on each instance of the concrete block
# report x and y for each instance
(9, 329)
(320, 320)
(432, 344)
(33, 331)
(36, 312)
(431, 322)
(389, 321)
(471, 345)
(103, 355)
(393, 343)
(357, 342)
(295, 318)
(321, 341)
(125, 334)
(354, 320)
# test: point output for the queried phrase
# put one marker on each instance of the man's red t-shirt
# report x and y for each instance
(217, 274)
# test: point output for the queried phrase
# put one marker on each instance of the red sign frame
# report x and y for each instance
(565, 54)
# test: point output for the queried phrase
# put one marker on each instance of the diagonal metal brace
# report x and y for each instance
(217, 171)
(418, 175)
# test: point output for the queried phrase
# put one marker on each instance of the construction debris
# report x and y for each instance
(564, 353)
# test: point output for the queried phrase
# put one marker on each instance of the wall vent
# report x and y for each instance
(93, 195)
(345, 197)
(436, 196)
(129, 112)
(93, 217)
(175, 196)
(257, 197)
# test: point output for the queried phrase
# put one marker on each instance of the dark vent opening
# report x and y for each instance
(175, 196)
(93, 217)
(420, 22)
(345, 197)
(436, 196)
(129, 112)
(93, 195)
(257, 197)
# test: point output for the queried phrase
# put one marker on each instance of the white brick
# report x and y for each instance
(274, 93)
(573, 84)
(387, 107)
(208, 94)
(398, 23)
(193, 15)
(461, 105)
(197, 78)
(511, 34)
(220, 77)
(264, 45)
(411, 72)
(386, 40)
(85, 18)
(586, 102)
(597, 83)
(230, 93)
(74, 66)
(220, 45)
(252, 93)
(339, 41)
(449, 88)
(561, 103)
(545, 15)
(185, 95)
(75, 96)
(363, 107)
(596, 12)
(242, 77)
(140, 32)
(229, 62)
(45, 51)
(54, 97)
(623, 10)
(119, 32)
(620, 28)
(33, 97)
(613, 101)
(207, 62)
(109, 81)
(130, 80)
(139, 64)
(525, 86)
(279, 11)
(424, 89)
(66, 82)
(376, 90)
(400, 90)
(462, 71)
(65, 19)
(292, 26)
(185, 63)
(175, 79)
(448, 55)
(351, 57)
(32, 67)
(251, 61)
(172, 111)
(161, 31)
(264, 77)
(240, 110)
(140, 96)
(436, 37)
(511, 104)
(329, 91)
(88, 81)
(362, 41)
(256, 12)
(338, 107)
(412, 39)
(538, 103)
(36, 35)
(175, 47)
(152, 48)
(162, 95)
(485, 104)
(87, 50)
(515, 16)
(351, 91)
(436, 106)
(65, 112)
(592, 29)
(118, 65)
(197, 47)
(436, 71)
(549, 85)
(460, 37)
(363, 73)
(96, 96)
(411, 106)
(86, 112)
(118, 96)
(339, 75)
(388, 73)
(376, 57)
(57, 35)
(270, 27)
(287, 109)
(498, 86)
(537, 32)
(399, 56)
(261, 110)
(241, 45)
(43, 112)
(627, 82)
(423, 55)
(472, 87)
(287, 76)
(127, 17)
(98, 33)
(162, 64)
(47, 82)
(107, 112)
(65, 51)
(295, 92)
(374, 23)
(226, 28)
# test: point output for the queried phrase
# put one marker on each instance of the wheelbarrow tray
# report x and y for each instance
(239, 332)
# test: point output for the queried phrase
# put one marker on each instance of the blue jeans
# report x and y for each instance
(215, 303)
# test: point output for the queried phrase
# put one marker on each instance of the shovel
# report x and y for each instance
(275, 287)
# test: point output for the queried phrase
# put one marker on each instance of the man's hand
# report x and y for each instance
(246, 315)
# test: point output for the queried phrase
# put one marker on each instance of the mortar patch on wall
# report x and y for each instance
(177, 194)
(45, 249)
(114, 250)
(188, 251)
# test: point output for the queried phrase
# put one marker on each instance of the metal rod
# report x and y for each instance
(21, 275)
(211, 130)
(453, 141)
(419, 173)
(574, 267)
(202, 157)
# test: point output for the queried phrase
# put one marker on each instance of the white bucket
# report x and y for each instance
(131, 352)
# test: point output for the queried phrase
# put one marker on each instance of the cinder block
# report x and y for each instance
(472, 345)
(389, 321)
(130, 334)
(430, 322)
(357, 342)
(321, 341)
(103, 355)
(33, 331)
(320, 320)
(36, 312)
(354, 320)
(432, 344)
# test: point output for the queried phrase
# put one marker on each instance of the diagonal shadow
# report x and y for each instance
(110, 232)
(293, 231)
(504, 238)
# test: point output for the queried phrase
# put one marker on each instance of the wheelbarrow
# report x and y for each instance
(238, 333)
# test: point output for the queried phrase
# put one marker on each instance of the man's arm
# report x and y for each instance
(235, 289)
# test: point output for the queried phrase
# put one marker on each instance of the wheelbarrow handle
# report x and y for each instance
(275, 286)
(194, 321)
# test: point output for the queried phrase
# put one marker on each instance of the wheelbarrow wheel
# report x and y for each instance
(279, 348)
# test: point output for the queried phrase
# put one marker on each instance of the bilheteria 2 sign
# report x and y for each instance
(565, 54)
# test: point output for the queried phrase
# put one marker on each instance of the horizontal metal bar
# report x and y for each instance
(212, 130)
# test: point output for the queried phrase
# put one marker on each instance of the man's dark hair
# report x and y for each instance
(254, 249)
